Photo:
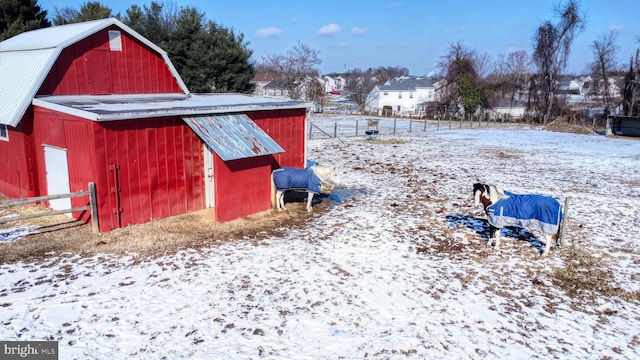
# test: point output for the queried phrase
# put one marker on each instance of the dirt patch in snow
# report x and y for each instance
(57, 234)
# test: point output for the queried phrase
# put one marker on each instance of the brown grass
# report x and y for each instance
(58, 234)
(585, 276)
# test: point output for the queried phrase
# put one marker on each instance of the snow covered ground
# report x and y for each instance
(396, 267)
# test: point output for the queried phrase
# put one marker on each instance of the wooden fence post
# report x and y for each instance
(335, 129)
(93, 202)
(356, 127)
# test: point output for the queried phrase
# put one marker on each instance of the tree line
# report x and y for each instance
(214, 58)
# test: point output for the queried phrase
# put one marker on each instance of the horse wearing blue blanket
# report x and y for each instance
(534, 212)
(316, 179)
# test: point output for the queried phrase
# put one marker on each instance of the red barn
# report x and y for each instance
(97, 102)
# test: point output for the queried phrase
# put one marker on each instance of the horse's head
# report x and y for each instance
(487, 194)
(328, 176)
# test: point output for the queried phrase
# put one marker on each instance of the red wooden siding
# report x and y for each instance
(158, 166)
(287, 128)
(89, 67)
(18, 178)
(74, 135)
(242, 187)
(157, 163)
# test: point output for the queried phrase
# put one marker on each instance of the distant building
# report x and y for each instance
(506, 109)
(261, 79)
(400, 97)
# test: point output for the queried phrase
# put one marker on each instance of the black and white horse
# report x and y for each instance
(316, 179)
(534, 212)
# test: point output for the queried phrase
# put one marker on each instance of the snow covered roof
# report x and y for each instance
(406, 85)
(26, 59)
(123, 107)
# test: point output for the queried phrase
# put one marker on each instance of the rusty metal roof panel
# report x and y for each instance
(233, 136)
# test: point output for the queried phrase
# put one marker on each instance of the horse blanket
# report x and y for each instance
(296, 179)
(536, 212)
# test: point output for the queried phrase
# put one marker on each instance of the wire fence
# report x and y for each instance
(323, 128)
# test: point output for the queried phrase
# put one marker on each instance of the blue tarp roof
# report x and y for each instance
(233, 136)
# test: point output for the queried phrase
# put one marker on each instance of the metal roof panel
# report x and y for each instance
(128, 107)
(233, 136)
(21, 74)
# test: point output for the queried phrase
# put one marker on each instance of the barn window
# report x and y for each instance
(4, 134)
(115, 40)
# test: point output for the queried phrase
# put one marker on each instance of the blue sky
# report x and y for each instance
(409, 33)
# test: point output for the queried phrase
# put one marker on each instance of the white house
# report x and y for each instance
(261, 80)
(400, 97)
(505, 109)
(333, 83)
(569, 85)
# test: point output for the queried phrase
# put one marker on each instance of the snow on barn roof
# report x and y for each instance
(26, 59)
(122, 107)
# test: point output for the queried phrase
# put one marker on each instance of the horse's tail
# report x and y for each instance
(273, 193)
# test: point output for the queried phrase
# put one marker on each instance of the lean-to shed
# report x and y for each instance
(97, 102)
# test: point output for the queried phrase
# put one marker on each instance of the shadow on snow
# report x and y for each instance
(481, 227)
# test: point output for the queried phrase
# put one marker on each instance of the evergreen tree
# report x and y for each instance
(208, 57)
(154, 22)
(230, 69)
(18, 16)
(88, 11)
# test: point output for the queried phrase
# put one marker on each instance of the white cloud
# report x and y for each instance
(395, 4)
(359, 31)
(616, 28)
(330, 29)
(269, 32)
(343, 44)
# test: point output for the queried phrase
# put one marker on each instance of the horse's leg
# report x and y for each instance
(547, 246)
(309, 200)
(492, 231)
(498, 231)
(280, 199)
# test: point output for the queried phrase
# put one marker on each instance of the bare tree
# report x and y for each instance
(603, 65)
(360, 84)
(511, 74)
(314, 92)
(482, 63)
(294, 67)
(551, 51)
(631, 87)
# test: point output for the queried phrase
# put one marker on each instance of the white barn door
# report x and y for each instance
(208, 177)
(56, 166)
